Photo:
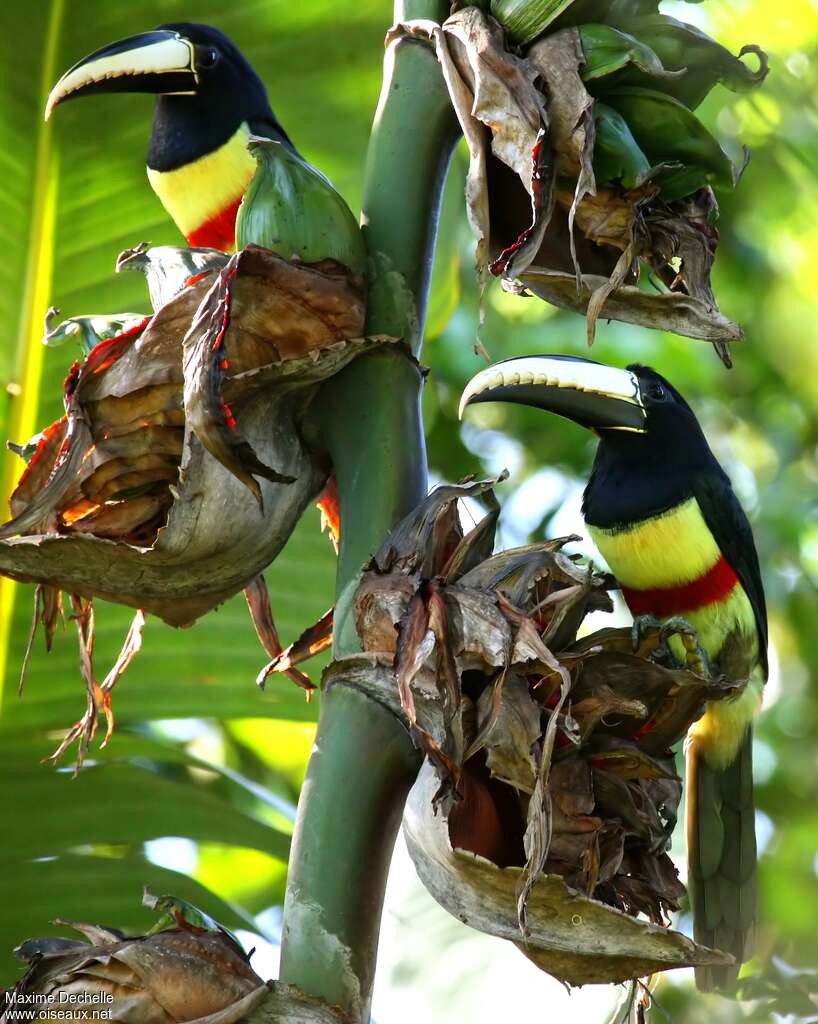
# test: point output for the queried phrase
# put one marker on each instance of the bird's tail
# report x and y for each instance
(721, 846)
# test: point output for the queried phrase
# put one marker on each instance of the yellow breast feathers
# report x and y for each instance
(672, 548)
(199, 191)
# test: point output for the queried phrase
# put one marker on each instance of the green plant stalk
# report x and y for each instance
(363, 763)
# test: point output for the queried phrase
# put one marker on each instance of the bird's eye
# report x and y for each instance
(657, 392)
(207, 57)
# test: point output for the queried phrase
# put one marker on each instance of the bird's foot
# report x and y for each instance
(650, 639)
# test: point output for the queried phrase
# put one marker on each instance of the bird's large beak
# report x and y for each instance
(591, 394)
(161, 61)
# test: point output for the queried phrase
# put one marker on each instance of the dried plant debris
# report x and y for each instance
(311, 641)
(98, 694)
(489, 88)
(188, 967)
(191, 969)
(587, 163)
(551, 754)
(577, 939)
(179, 469)
(175, 432)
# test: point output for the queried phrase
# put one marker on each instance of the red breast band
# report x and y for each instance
(714, 586)
(219, 232)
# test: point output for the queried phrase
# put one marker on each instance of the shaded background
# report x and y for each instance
(196, 793)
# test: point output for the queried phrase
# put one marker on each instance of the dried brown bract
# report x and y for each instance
(551, 754)
(587, 163)
(180, 974)
(179, 469)
(191, 970)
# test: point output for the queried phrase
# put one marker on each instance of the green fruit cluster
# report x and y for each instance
(647, 73)
(293, 210)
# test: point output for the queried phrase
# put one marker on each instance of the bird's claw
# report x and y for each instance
(647, 636)
(650, 638)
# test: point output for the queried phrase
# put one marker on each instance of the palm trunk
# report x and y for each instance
(363, 763)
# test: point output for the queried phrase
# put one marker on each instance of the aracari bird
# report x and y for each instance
(663, 513)
(209, 102)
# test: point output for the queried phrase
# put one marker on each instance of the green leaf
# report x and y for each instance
(607, 51)
(27, 208)
(668, 133)
(524, 20)
(617, 157)
(121, 804)
(680, 46)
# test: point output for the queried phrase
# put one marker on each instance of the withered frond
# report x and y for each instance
(550, 750)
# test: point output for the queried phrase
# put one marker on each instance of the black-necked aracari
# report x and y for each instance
(209, 101)
(663, 514)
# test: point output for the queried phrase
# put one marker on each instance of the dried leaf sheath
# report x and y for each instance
(551, 755)
(576, 939)
(585, 163)
(239, 327)
(187, 968)
(148, 491)
(205, 366)
(121, 499)
(180, 973)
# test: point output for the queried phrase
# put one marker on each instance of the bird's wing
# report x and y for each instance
(729, 525)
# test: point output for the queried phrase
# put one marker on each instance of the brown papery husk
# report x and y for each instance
(175, 976)
(542, 221)
(185, 531)
(550, 791)
(180, 974)
(570, 936)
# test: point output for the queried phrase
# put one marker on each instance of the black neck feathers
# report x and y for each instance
(636, 477)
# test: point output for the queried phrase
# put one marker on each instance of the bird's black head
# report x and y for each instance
(205, 87)
(640, 475)
(669, 429)
(650, 443)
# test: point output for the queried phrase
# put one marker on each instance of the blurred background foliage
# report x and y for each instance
(196, 793)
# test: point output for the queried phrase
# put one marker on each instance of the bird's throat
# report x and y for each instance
(203, 196)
